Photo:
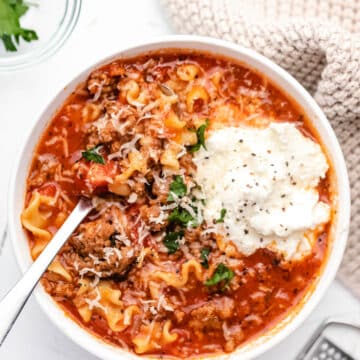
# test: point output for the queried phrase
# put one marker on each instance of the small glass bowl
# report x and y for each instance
(53, 22)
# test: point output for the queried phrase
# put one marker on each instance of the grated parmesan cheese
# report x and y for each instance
(76, 265)
(153, 310)
(109, 251)
(66, 198)
(132, 198)
(126, 148)
(123, 238)
(99, 86)
(162, 303)
(94, 303)
(143, 232)
(160, 218)
(130, 253)
(86, 270)
(95, 259)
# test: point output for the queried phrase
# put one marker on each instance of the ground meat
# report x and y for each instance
(55, 286)
(138, 187)
(46, 169)
(192, 234)
(96, 79)
(186, 162)
(151, 148)
(233, 335)
(100, 246)
(160, 189)
(152, 217)
(38, 179)
(115, 146)
(179, 315)
(210, 316)
(107, 134)
(221, 308)
(92, 237)
(101, 83)
(118, 123)
(113, 263)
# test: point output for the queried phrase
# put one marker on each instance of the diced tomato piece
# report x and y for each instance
(48, 189)
(100, 175)
(92, 177)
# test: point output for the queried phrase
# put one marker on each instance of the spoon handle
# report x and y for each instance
(12, 304)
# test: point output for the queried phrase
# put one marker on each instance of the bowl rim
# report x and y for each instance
(214, 46)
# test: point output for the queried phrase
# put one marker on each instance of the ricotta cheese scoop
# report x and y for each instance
(266, 179)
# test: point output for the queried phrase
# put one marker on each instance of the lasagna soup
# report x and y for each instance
(212, 204)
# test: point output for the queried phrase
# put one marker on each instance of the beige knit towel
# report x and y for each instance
(318, 42)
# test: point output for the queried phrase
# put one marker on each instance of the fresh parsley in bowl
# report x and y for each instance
(10, 28)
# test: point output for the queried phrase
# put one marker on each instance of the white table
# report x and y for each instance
(104, 26)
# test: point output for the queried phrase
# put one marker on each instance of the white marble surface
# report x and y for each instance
(103, 28)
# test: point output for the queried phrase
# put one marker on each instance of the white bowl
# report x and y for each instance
(285, 82)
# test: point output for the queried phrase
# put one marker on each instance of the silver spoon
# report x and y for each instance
(14, 301)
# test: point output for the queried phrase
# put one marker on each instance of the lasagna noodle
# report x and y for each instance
(191, 266)
(34, 221)
(106, 301)
(153, 336)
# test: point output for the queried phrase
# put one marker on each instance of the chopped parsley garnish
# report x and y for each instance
(200, 133)
(93, 154)
(171, 241)
(10, 28)
(221, 273)
(222, 216)
(204, 256)
(182, 217)
(177, 187)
